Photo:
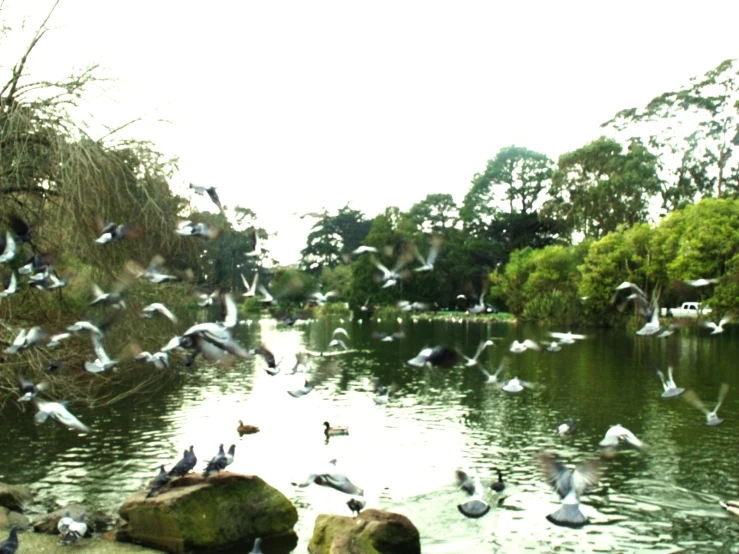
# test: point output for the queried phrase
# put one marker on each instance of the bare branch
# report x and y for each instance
(18, 69)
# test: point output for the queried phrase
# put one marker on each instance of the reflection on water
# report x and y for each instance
(404, 453)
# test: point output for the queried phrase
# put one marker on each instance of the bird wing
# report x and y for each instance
(246, 284)
(63, 416)
(586, 475)
(724, 320)
(99, 350)
(528, 343)
(231, 313)
(340, 331)
(162, 309)
(556, 474)
(722, 392)
(267, 296)
(433, 253)
(385, 271)
(464, 481)
(693, 399)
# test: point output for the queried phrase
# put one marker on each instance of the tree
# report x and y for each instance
(434, 214)
(694, 131)
(332, 238)
(627, 254)
(516, 176)
(598, 187)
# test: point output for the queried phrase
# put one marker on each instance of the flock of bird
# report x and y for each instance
(215, 342)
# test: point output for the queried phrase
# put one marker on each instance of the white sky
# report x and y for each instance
(293, 105)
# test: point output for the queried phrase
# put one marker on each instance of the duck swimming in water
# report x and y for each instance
(499, 485)
(246, 429)
(334, 431)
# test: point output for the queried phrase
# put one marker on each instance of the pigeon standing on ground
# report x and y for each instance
(10, 545)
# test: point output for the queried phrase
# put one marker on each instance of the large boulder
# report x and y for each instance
(8, 518)
(13, 497)
(222, 512)
(372, 532)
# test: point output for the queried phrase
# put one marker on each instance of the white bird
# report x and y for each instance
(493, 379)
(25, 339)
(63, 525)
(407, 306)
(114, 299)
(18, 342)
(160, 360)
(338, 342)
(701, 282)
(204, 299)
(618, 433)
(473, 361)
(390, 278)
(320, 298)
(84, 326)
(519, 347)
(567, 338)
(717, 328)
(250, 290)
(515, 386)
(266, 296)
(567, 428)
(569, 485)
(362, 249)
(102, 362)
(712, 418)
(552, 346)
(332, 478)
(480, 307)
(256, 244)
(671, 390)
(652, 326)
(340, 331)
(10, 248)
(58, 412)
(11, 288)
(383, 393)
(428, 263)
(155, 307)
(57, 339)
(76, 529)
(475, 507)
(187, 228)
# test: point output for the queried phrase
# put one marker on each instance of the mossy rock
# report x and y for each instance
(13, 497)
(221, 513)
(373, 532)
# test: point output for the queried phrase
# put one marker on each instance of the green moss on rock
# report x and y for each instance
(373, 532)
(218, 513)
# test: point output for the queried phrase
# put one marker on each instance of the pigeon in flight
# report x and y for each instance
(569, 485)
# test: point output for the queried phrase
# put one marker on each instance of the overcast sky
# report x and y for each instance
(290, 106)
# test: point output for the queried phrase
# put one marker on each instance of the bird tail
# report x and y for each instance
(474, 508)
(569, 515)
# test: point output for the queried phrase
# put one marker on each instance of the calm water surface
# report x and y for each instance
(404, 453)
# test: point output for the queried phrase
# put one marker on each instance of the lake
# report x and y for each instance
(404, 453)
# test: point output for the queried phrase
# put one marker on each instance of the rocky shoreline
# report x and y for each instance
(223, 513)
